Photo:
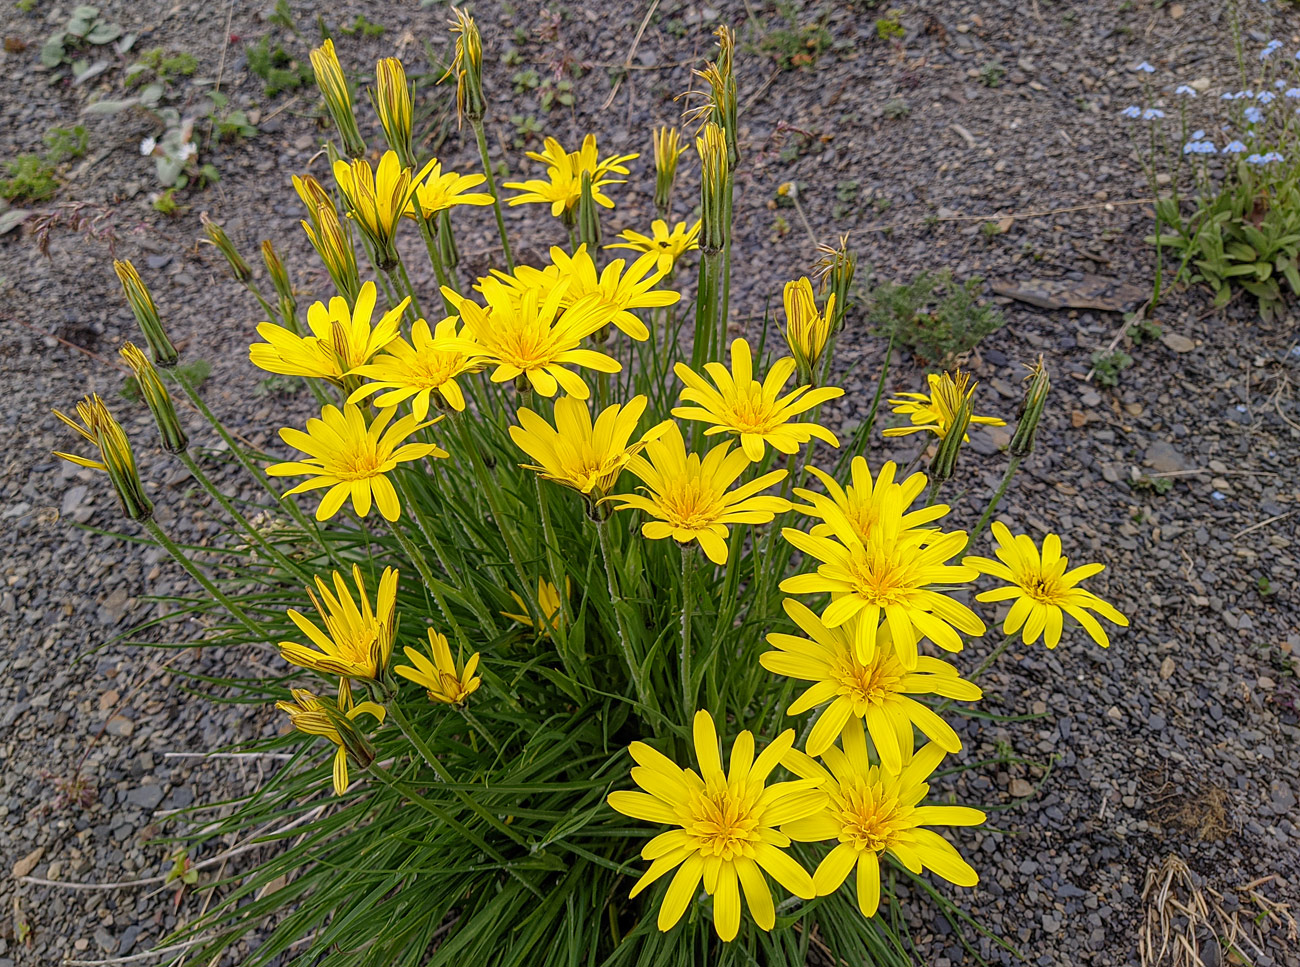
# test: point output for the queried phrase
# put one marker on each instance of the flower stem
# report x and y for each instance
(481, 136)
(994, 655)
(430, 582)
(688, 572)
(624, 635)
(192, 569)
(435, 257)
(935, 484)
(998, 494)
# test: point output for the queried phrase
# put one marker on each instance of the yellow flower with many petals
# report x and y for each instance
(862, 503)
(378, 198)
(441, 191)
(877, 692)
(307, 714)
(934, 412)
(528, 335)
(754, 411)
(415, 370)
(578, 454)
(441, 681)
(351, 458)
(726, 823)
(618, 292)
(872, 810)
(548, 600)
(807, 328)
(667, 246)
(342, 339)
(356, 641)
(1042, 589)
(562, 189)
(890, 577)
(689, 497)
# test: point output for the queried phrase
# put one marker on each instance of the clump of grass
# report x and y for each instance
(278, 70)
(795, 45)
(29, 177)
(936, 317)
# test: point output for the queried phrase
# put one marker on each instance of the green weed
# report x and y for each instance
(934, 316)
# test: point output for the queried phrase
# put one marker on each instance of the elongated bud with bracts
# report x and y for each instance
(327, 237)
(146, 314)
(467, 67)
(447, 244)
(667, 149)
(835, 270)
(283, 289)
(334, 88)
(807, 330)
(720, 99)
(588, 217)
(157, 398)
(392, 99)
(960, 405)
(712, 148)
(218, 237)
(115, 457)
(1031, 410)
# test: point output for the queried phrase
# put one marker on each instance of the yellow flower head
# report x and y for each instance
(357, 641)
(725, 826)
(351, 458)
(307, 714)
(688, 496)
(377, 199)
(548, 600)
(441, 681)
(393, 103)
(873, 810)
(415, 370)
(934, 412)
(1042, 589)
(754, 411)
(528, 335)
(667, 246)
(341, 340)
(807, 329)
(562, 189)
(577, 454)
(618, 292)
(861, 504)
(441, 191)
(877, 692)
(98, 427)
(887, 576)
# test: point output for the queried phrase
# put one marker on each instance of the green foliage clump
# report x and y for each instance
(795, 45)
(991, 74)
(1108, 366)
(66, 144)
(83, 29)
(29, 178)
(890, 26)
(279, 71)
(364, 27)
(164, 67)
(227, 124)
(934, 316)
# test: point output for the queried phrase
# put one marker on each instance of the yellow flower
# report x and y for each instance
(342, 338)
(726, 823)
(562, 188)
(357, 641)
(875, 692)
(667, 246)
(618, 292)
(441, 681)
(414, 372)
(115, 456)
(934, 412)
(548, 599)
(586, 158)
(807, 329)
(351, 458)
(577, 454)
(1042, 589)
(688, 496)
(754, 411)
(441, 191)
(307, 714)
(378, 199)
(527, 335)
(873, 810)
(861, 504)
(891, 576)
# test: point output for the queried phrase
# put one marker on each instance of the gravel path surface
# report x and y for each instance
(1180, 740)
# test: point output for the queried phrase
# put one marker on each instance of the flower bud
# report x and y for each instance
(157, 398)
(392, 100)
(327, 237)
(806, 329)
(667, 149)
(115, 456)
(283, 289)
(218, 237)
(714, 181)
(467, 67)
(1031, 410)
(146, 314)
(334, 88)
(588, 217)
(835, 270)
(954, 399)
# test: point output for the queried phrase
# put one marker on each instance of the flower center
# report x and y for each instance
(867, 820)
(1041, 588)
(878, 580)
(722, 824)
(867, 685)
(751, 413)
(357, 465)
(689, 504)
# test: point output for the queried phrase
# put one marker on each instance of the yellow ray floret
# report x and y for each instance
(441, 190)
(416, 370)
(689, 497)
(1043, 589)
(562, 188)
(667, 246)
(863, 501)
(351, 458)
(725, 833)
(440, 678)
(618, 291)
(756, 412)
(872, 810)
(341, 340)
(934, 412)
(356, 642)
(548, 600)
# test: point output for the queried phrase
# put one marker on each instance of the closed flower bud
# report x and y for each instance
(115, 457)
(835, 270)
(467, 66)
(280, 279)
(146, 314)
(714, 181)
(158, 399)
(667, 149)
(334, 88)
(325, 232)
(806, 329)
(588, 217)
(944, 464)
(392, 99)
(1031, 410)
(218, 237)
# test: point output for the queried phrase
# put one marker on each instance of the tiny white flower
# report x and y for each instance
(147, 146)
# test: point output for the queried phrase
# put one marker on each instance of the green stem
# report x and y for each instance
(430, 582)
(481, 136)
(402, 284)
(477, 726)
(935, 484)
(439, 270)
(624, 635)
(688, 567)
(994, 655)
(235, 610)
(998, 494)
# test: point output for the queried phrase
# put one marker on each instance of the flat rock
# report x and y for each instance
(1089, 292)
(28, 862)
(1162, 457)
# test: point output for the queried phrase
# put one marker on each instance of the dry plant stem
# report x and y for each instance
(998, 494)
(624, 637)
(481, 136)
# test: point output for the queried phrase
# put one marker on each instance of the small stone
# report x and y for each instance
(1114, 714)
(1078, 419)
(1166, 669)
(146, 797)
(1179, 344)
(120, 725)
(108, 700)
(1162, 457)
(1176, 11)
(28, 862)
(1020, 788)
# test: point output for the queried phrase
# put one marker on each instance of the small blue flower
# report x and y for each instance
(1254, 115)
(1132, 111)
(1146, 68)
(1185, 90)
(1265, 97)
(1279, 84)
(1197, 135)
(1292, 92)
(1234, 147)
(1269, 48)
(1152, 114)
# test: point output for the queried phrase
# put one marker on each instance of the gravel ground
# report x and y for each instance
(1181, 740)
